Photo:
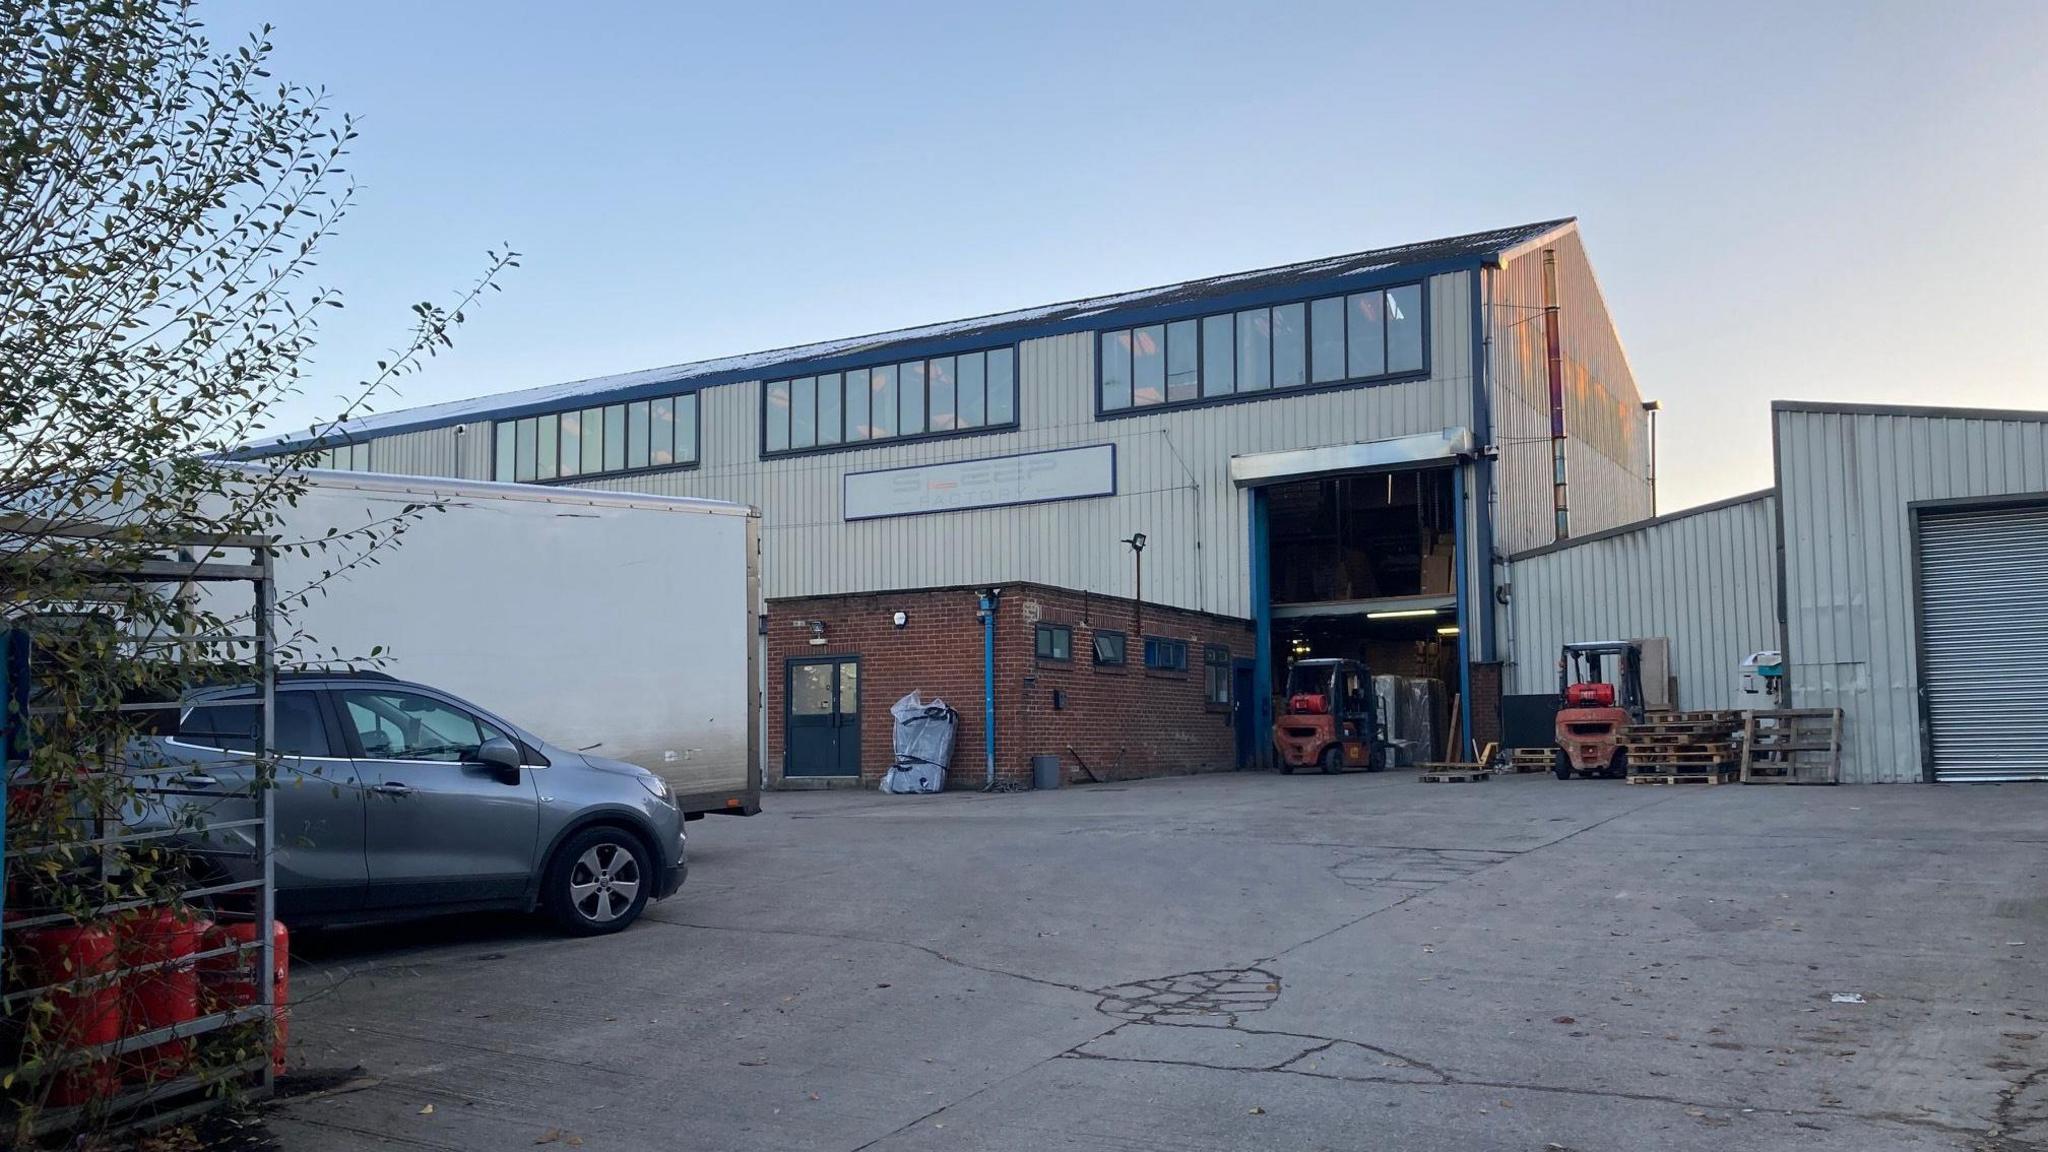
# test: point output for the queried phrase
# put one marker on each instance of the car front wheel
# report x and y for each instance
(599, 881)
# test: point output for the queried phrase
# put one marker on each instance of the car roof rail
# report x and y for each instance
(337, 674)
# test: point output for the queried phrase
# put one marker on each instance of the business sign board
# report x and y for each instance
(999, 481)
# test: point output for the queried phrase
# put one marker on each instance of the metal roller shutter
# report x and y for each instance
(1984, 642)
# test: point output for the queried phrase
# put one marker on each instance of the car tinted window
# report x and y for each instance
(231, 727)
(395, 725)
(298, 730)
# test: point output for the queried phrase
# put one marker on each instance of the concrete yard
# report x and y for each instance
(1239, 962)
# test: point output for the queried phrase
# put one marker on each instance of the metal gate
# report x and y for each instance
(1983, 578)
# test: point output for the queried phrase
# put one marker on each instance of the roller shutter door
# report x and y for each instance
(1984, 642)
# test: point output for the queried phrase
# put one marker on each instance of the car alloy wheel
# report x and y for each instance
(604, 882)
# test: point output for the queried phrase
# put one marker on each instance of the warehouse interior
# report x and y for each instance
(1362, 567)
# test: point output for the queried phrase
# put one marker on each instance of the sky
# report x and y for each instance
(1782, 201)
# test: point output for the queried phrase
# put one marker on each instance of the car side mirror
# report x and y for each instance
(502, 755)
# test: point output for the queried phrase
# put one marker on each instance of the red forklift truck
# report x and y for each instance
(1601, 683)
(1329, 719)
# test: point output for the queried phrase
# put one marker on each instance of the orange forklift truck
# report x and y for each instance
(1602, 686)
(1329, 720)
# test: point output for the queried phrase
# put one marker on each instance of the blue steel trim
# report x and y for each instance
(918, 349)
(1460, 545)
(1482, 467)
(1113, 484)
(1262, 627)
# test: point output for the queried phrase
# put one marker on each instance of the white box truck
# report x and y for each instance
(608, 622)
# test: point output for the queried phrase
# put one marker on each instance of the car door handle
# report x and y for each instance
(195, 780)
(394, 788)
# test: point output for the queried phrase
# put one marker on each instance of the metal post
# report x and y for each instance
(1460, 559)
(1262, 628)
(266, 773)
(988, 680)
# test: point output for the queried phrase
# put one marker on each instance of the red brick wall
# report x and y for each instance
(1125, 721)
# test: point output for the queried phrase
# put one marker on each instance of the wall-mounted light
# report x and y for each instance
(817, 633)
(1448, 630)
(900, 619)
(1403, 614)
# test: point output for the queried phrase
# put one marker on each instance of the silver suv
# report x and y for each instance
(395, 799)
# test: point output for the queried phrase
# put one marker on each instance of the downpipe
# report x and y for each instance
(986, 612)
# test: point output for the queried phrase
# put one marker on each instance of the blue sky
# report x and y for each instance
(1818, 201)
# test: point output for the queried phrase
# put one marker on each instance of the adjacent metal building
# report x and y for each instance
(1914, 553)
(1704, 578)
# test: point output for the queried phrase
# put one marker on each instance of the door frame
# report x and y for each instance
(1914, 510)
(789, 665)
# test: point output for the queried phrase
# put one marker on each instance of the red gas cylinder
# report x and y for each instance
(81, 1017)
(1308, 704)
(224, 981)
(162, 996)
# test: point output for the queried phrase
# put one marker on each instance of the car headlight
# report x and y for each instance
(658, 788)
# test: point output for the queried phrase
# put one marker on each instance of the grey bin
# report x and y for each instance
(1045, 771)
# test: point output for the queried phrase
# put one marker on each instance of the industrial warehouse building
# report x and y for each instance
(1900, 565)
(1328, 458)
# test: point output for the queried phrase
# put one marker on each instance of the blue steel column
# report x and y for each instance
(988, 682)
(1484, 643)
(1460, 552)
(1262, 628)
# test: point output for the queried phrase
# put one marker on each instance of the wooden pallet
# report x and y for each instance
(1720, 776)
(1792, 746)
(1532, 759)
(1454, 773)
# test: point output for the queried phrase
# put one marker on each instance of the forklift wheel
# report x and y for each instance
(1286, 769)
(1332, 761)
(1563, 766)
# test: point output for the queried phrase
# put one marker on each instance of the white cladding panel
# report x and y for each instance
(1173, 480)
(1846, 478)
(1707, 581)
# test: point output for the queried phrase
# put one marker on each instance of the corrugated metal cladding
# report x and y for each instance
(1984, 641)
(461, 451)
(1847, 479)
(1706, 580)
(1607, 431)
(1173, 480)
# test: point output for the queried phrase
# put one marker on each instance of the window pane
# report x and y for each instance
(548, 431)
(636, 434)
(686, 429)
(857, 406)
(777, 412)
(1367, 336)
(1219, 356)
(1182, 376)
(408, 726)
(882, 401)
(1109, 647)
(973, 373)
(1290, 358)
(522, 460)
(1148, 365)
(1002, 387)
(1254, 350)
(298, 729)
(829, 427)
(943, 402)
(1404, 328)
(232, 727)
(849, 688)
(910, 398)
(1326, 340)
(661, 433)
(593, 440)
(503, 469)
(810, 689)
(803, 412)
(1116, 371)
(572, 443)
(615, 438)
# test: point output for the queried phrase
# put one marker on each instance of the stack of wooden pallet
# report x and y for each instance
(1532, 759)
(1682, 748)
(1792, 746)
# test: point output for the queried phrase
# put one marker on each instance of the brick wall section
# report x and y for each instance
(1124, 721)
(1486, 704)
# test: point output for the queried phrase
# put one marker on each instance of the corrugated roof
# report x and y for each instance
(880, 347)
